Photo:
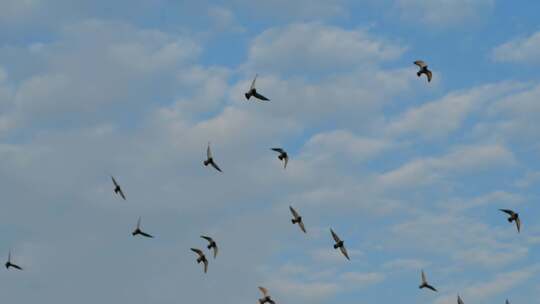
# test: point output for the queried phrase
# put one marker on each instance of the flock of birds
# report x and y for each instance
(296, 217)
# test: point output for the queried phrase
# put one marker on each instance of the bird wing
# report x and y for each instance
(335, 236)
(344, 251)
(139, 222)
(215, 166)
(146, 234)
(121, 193)
(518, 224)
(114, 181)
(459, 300)
(264, 291)
(205, 265)
(9, 256)
(424, 279)
(259, 96)
(431, 287)
(208, 152)
(215, 250)
(286, 161)
(253, 82)
(279, 150)
(301, 224)
(294, 213)
(209, 239)
(420, 63)
(429, 75)
(16, 266)
(507, 211)
(197, 251)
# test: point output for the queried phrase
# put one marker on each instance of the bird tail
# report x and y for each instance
(206, 162)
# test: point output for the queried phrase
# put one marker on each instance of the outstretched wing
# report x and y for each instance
(205, 265)
(197, 251)
(508, 211)
(208, 152)
(301, 224)
(424, 279)
(335, 236)
(215, 166)
(285, 162)
(294, 213)
(16, 266)
(279, 150)
(146, 234)
(421, 64)
(215, 250)
(518, 224)
(264, 291)
(431, 287)
(209, 239)
(459, 300)
(259, 96)
(114, 181)
(253, 82)
(121, 193)
(139, 222)
(344, 251)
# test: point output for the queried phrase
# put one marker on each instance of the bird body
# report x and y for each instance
(425, 284)
(252, 92)
(210, 159)
(423, 70)
(138, 230)
(339, 244)
(117, 188)
(9, 264)
(201, 258)
(513, 217)
(297, 219)
(283, 156)
(211, 244)
(266, 297)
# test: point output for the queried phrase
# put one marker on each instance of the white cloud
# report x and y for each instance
(520, 50)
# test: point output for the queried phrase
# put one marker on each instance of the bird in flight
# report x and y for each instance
(9, 264)
(423, 70)
(266, 297)
(210, 160)
(459, 300)
(507, 302)
(425, 283)
(138, 230)
(297, 219)
(339, 244)
(253, 92)
(211, 244)
(513, 217)
(117, 188)
(283, 156)
(201, 258)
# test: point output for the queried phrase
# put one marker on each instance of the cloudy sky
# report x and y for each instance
(411, 175)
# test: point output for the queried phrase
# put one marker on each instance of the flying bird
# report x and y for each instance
(507, 302)
(339, 244)
(266, 297)
(138, 230)
(201, 258)
(253, 92)
(459, 300)
(425, 283)
(513, 217)
(211, 244)
(210, 160)
(423, 70)
(297, 219)
(283, 156)
(117, 188)
(9, 264)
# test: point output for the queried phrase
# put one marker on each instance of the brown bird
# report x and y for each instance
(425, 283)
(210, 160)
(423, 70)
(138, 230)
(283, 156)
(339, 244)
(9, 264)
(117, 188)
(297, 219)
(266, 297)
(513, 217)
(201, 258)
(211, 244)
(253, 92)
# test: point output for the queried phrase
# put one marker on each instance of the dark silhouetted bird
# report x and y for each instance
(283, 156)
(297, 219)
(201, 258)
(459, 300)
(423, 70)
(117, 188)
(9, 264)
(253, 92)
(425, 283)
(211, 244)
(210, 160)
(339, 244)
(266, 297)
(513, 217)
(138, 230)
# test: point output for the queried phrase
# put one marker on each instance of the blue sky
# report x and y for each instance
(411, 175)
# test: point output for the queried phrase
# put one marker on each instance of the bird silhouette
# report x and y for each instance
(9, 264)
(283, 156)
(210, 160)
(117, 188)
(513, 217)
(459, 300)
(423, 70)
(138, 230)
(201, 258)
(425, 283)
(211, 244)
(297, 219)
(253, 91)
(339, 244)
(266, 297)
